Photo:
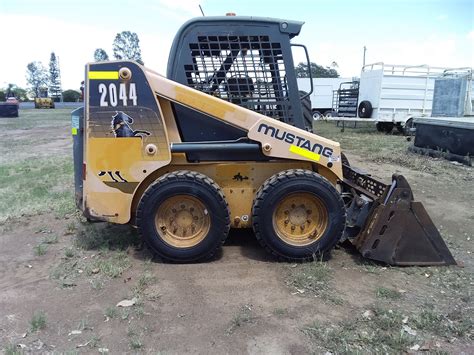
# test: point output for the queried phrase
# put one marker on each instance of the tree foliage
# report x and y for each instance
(71, 96)
(126, 46)
(100, 55)
(54, 77)
(13, 90)
(36, 77)
(317, 71)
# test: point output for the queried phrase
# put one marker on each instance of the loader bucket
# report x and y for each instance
(398, 230)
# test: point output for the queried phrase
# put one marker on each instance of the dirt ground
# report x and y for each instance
(61, 278)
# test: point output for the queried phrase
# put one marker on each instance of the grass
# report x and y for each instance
(40, 249)
(38, 321)
(105, 236)
(382, 148)
(12, 349)
(111, 312)
(50, 239)
(111, 266)
(388, 293)
(315, 279)
(135, 340)
(381, 334)
(32, 179)
(244, 316)
(36, 185)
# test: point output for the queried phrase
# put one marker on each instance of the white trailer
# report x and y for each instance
(322, 95)
(391, 95)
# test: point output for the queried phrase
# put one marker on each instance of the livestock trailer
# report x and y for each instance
(389, 95)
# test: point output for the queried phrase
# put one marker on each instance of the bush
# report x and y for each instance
(71, 96)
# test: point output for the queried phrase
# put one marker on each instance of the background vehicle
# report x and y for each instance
(43, 101)
(322, 95)
(221, 143)
(390, 96)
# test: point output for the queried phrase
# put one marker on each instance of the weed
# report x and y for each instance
(69, 253)
(83, 325)
(135, 340)
(243, 316)
(143, 282)
(12, 349)
(112, 266)
(50, 239)
(71, 228)
(381, 334)
(314, 278)
(105, 236)
(40, 249)
(280, 312)
(111, 312)
(38, 321)
(96, 284)
(383, 292)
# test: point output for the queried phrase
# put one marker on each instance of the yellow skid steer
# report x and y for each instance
(220, 144)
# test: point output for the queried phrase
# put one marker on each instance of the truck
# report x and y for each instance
(389, 95)
(322, 95)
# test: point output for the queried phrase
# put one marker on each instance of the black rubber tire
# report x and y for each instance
(317, 115)
(365, 109)
(407, 129)
(280, 185)
(199, 186)
(307, 112)
(344, 160)
(385, 127)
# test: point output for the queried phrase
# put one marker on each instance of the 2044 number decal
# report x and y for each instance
(112, 96)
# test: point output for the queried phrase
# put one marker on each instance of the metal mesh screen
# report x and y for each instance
(245, 70)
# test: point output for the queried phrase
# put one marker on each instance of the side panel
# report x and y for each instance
(126, 139)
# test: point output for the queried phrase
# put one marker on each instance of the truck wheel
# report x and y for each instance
(298, 215)
(183, 217)
(365, 109)
(307, 112)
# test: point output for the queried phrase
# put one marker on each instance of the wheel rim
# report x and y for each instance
(182, 221)
(316, 115)
(300, 219)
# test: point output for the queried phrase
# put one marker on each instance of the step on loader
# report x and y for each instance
(223, 142)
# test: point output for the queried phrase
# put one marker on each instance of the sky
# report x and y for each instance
(411, 32)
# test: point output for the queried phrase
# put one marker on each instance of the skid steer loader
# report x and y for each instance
(222, 143)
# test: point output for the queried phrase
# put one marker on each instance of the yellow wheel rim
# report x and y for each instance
(300, 219)
(182, 221)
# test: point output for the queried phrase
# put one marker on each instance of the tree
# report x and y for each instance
(15, 91)
(54, 78)
(100, 55)
(36, 77)
(127, 46)
(71, 96)
(317, 71)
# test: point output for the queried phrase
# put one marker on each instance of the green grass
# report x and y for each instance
(378, 147)
(242, 317)
(33, 118)
(40, 249)
(105, 236)
(381, 334)
(112, 266)
(111, 312)
(388, 293)
(12, 349)
(36, 185)
(313, 278)
(38, 321)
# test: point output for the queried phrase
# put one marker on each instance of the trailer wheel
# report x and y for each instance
(298, 215)
(183, 217)
(365, 109)
(317, 115)
(385, 127)
(307, 112)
